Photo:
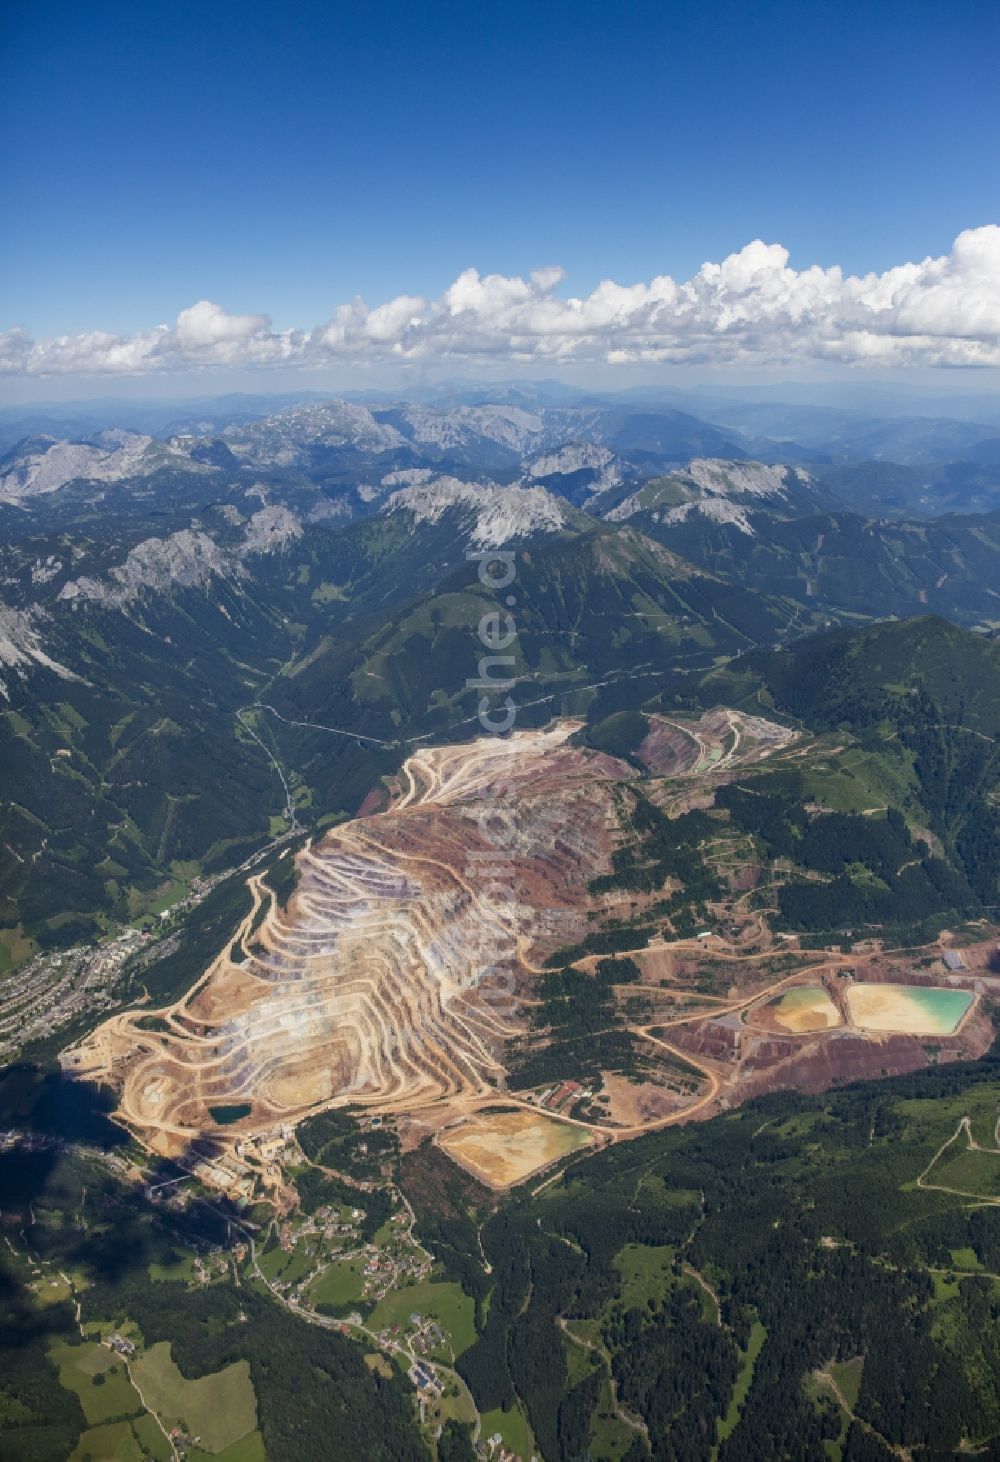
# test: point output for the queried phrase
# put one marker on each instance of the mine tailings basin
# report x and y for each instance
(805, 1008)
(914, 1009)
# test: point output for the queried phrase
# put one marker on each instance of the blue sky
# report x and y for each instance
(282, 160)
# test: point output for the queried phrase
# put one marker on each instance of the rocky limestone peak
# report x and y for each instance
(270, 529)
(743, 479)
(496, 515)
(187, 559)
(43, 465)
(716, 510)
(577, 457)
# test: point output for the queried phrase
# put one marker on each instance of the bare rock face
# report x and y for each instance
(407, 477)
(186, 559)
(21, 645)
(42, 464)
(607, 470)
(715, 509)
(495, 515)
(271, 529)
(744, 479)
(724, 492)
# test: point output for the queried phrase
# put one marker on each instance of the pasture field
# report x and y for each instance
(53, 1291)
(114, 1442)
(78, 1365)
(248, 1449)
(929, 1124)
(454, 1404)
(856, 780)
(378, 1365)
(972, 1171)
(15, 949)
(287, 1265)
(656, 1184)
(339, 1284)
(945, 1288)
(504, 1148)
(220, 1409)
(514, 1429)
(180, 1271)
(580, 1363)
(151, 1438)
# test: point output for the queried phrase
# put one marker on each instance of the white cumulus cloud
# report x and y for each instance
(752, 308)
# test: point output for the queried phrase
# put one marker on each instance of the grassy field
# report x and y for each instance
(288, 1267)
(856, 780)
(727, 1425)
(445, 1302)
(945, 1288)
(455, 1404)
(16, 948)
(151, 1437)
(182, 1270)
(79, 1367)
(52, 1290)
(678, 1197)
(610, 1438)
(384, 1235)
(167, 897)
(339, 1285)
(514, 1429)
(579, 1362)
(645, 1273)
(931, 1123)
(220, 1409)
(972, 1171)
(112, 1443)
(248, 1449)
(847, 1374)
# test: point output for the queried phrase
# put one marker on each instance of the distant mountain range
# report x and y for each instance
(893, 429)
(154, 590)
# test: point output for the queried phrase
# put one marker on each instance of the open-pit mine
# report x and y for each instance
(406, 966)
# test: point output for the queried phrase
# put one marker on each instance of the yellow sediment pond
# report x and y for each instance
(501, 1148)
(806, 1008)
(919, 1010)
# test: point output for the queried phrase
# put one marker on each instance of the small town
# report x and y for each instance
(52, 989)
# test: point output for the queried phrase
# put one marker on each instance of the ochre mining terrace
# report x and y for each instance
(408, 958)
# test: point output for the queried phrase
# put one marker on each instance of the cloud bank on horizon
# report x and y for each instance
(750, 309)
